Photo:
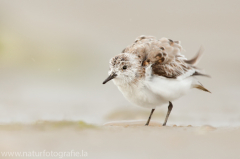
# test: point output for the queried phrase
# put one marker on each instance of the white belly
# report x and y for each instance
(155, 92)
(169, 89)
(142, 96)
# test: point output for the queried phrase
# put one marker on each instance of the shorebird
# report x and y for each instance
(152, 72)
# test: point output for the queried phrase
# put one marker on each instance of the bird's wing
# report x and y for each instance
(164, 56)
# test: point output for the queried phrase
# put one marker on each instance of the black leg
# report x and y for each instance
(149, 117)
(168, 113)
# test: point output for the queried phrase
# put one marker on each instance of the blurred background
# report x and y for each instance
(54, 56)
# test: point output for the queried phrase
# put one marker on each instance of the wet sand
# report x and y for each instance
(123, 139)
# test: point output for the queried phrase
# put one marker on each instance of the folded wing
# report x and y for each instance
(164, 56)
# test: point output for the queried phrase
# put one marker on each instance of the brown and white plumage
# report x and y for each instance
(164, 55)
(152, 72)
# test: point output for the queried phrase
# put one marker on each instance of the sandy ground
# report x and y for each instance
(129, 139)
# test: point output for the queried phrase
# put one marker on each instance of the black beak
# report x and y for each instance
(110, 77)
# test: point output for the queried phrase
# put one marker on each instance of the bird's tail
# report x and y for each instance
(193, 62)
(200, 87)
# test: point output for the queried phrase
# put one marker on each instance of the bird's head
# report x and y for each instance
(124, 68)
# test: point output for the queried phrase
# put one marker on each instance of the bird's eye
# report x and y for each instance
(125, 67)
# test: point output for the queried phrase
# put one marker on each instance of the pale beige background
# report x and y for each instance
(54, 56)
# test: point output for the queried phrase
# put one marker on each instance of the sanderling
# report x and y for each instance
(152, 72)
